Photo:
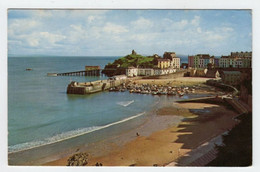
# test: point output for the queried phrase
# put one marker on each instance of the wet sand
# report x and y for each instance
(173, 131)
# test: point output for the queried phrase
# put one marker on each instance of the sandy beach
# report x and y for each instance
(174, 131)
(179, 81)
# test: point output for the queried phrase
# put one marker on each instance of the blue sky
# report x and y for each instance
(117, 32)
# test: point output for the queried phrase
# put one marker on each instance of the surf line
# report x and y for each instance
(48, 140)
(126, 103)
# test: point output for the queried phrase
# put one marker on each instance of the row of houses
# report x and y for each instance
(201, 61)
(168, 64)
(229, 77)
(169, 60)
(132, 71)
(234, 60)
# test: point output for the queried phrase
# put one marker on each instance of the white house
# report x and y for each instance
(145, 72)
(132, 71)
(176, 62)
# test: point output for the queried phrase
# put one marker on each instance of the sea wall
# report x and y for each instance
(211, 100)
(93, 86)
(222, 86)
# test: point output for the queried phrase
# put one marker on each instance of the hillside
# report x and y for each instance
(119, 66)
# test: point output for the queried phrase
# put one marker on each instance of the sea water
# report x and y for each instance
(41, 114)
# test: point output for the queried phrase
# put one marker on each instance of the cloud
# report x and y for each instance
(195, 21)
(43, 13)
(199, 30)
(21, 26)
(142, 24)
(114, 28)
(182, 23)
(227, 29)
(91, 19)
(41, 39)
(100, 31)
(51, 38)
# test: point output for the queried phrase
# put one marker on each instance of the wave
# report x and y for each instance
(64, 136)
(125, 103)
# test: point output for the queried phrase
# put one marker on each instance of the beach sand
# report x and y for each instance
(187, 81)
(196, 124)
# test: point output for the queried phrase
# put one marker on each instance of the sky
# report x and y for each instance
(117, 32)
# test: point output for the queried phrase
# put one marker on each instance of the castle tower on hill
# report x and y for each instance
(133, 52)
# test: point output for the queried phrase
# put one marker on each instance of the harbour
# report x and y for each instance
(129, 87)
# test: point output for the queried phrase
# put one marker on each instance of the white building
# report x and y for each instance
(224, 62)
(145, 72)
(237, 63)
(176, 62)
(132, 71)
(236, 60)
(164, 71)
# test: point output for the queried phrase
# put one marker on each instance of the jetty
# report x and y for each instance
(89, 71)
(81, 73)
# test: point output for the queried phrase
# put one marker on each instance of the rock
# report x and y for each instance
(79, 159)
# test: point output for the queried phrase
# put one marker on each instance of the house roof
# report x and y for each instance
(225, 56)
(204, 55)
(169, 52)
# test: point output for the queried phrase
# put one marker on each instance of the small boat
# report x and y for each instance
(111, 89)
(172, 93)
(181, 94)
(154, 93)
(138, 91)
(144, 92)
(164, 92)
(28, 69)
(116, 89)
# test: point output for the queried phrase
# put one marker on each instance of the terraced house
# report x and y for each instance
(200, 61)
(175, 62)
(236, 60)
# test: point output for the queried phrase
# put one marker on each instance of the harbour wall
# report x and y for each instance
(93, 86)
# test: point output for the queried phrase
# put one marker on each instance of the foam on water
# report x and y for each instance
(125, 103)
(64, 136)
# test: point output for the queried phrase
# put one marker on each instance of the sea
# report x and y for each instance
(43, 120)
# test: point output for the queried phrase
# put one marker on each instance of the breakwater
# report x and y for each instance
(93, 87)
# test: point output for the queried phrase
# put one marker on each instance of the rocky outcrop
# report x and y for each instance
(79, 159)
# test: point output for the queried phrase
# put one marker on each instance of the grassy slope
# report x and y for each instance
(130, 60)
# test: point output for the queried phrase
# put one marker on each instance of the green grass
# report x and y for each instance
(129, 60)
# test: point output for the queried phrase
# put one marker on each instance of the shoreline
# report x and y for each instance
(165, 145)
(161, 130)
